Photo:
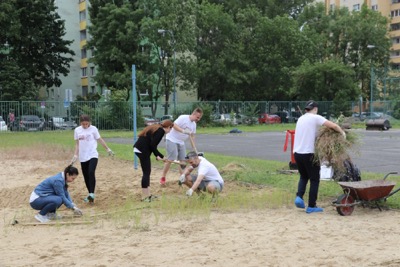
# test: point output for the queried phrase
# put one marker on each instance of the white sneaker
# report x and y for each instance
(42, 218)
(53, 216)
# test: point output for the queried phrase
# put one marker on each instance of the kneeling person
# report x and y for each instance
(208, 177)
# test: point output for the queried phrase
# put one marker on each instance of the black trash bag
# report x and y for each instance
(351, 172)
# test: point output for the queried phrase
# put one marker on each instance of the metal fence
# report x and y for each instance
(119, 115)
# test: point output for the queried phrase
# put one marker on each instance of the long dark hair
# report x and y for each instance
(152, 128)
(71, 170)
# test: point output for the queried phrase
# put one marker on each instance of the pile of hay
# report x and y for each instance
(331, 147)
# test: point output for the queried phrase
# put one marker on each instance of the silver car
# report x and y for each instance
(3, 125)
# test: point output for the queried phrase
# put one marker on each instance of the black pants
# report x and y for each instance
(88, 171)
(309, 170)
(145, 163)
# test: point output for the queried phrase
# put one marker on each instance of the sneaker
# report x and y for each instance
(150, 198)
(162, 181)
(146, 199)
(53, 216)
(89, 198)
(42, 218)
(299, 202)
(314, 209)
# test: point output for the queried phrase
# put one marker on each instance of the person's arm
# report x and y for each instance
(103, 143)
(59, 190)
(155, 139)
(335, 127)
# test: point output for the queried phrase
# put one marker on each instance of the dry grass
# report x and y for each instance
(333, 148)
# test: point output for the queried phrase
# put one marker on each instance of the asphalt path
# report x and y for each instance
(378, 152)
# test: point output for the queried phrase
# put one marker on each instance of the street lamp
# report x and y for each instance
(162, 31)
(371, 108)
(372, 79)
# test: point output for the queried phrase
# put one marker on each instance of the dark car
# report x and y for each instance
(150, 121)
(58, 123)
(29, 123)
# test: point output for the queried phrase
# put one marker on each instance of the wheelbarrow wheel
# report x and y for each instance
(346, 207)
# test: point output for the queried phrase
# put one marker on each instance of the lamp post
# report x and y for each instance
(372, 79)
(162, 31)
(371, 108)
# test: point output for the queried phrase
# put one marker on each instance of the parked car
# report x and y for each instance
(3, 125)
(29, 123)
(269, 118)
(371, 115)
(224, 119)
(58, 123)
(243, 119)
(167, 117)
(150, 121)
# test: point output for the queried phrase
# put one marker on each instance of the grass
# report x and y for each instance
(260, 183)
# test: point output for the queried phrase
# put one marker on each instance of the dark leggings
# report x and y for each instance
(145, 163)
(88, 171)
(309, 170)
(47, 204)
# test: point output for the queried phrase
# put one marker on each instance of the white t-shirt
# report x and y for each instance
(87, 142)
(209, 171)
(184, 122)
(306, 132)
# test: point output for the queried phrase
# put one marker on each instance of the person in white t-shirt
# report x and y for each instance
(208, 177)
(184, 126)
(86, 137)
(304, 142)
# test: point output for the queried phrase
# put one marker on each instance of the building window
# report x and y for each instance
(395, 1)
(332, 7)
(84, 90)
(92, 71)
(84, 72)
(83, 35)
(82, 15)
(83, 53)
(92, 90)
(92, 51)
(374, 7)
(356, 7)
(394, 13)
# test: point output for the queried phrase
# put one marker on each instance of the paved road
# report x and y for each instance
(379, 152)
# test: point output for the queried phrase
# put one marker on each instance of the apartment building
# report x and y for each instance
(389, 8)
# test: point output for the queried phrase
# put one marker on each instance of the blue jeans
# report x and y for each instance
(47, 204)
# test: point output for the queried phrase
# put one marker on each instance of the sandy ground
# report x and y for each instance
(267, 237)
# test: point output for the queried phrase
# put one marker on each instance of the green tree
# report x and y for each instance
(38, 53)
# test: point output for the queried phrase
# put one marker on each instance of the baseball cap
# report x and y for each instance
(311, 104)
(191, 154)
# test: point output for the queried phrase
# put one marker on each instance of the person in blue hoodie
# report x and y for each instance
(51, 193)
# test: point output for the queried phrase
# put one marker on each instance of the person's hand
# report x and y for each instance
(77, 211)
(110, 153)
(160, 158)
(182, 178)
(189, 193)
(74, 158)
(187, 131)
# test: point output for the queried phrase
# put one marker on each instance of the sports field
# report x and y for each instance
(119, 230)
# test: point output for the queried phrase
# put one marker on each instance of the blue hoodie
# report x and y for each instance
(55, 185)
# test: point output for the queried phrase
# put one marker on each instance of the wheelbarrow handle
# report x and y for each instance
(384, 178)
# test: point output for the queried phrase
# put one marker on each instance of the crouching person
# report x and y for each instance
(208, 177)
(51, 193)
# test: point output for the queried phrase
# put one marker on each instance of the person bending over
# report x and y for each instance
(208, 177)
(51, 193)
(147, 143)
